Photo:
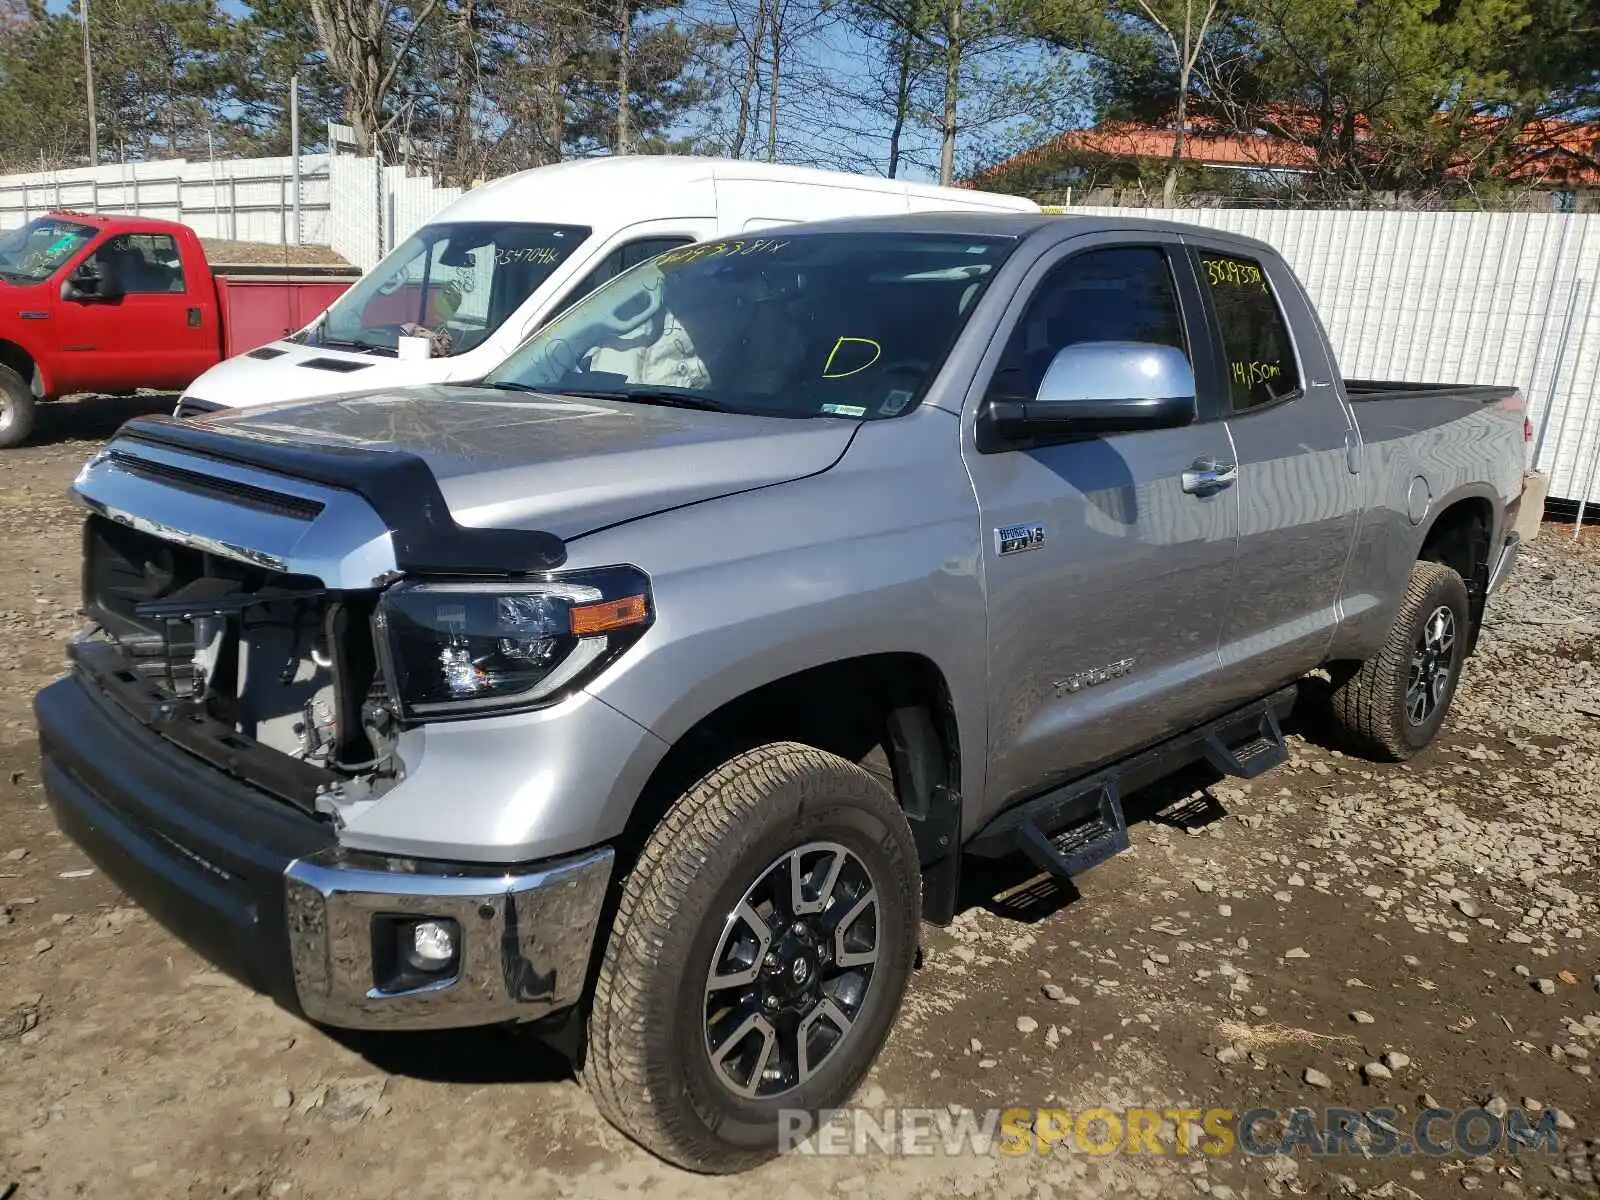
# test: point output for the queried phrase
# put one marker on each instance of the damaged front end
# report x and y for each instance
(235, 581)
(269, 676)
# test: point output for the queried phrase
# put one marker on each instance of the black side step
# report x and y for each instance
(1088, 843)
(1256, 755)
(1071, 828)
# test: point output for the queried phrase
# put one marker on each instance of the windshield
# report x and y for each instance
(453, 283)
(33, 252)
(797, 325)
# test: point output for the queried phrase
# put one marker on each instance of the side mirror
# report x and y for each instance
(91, 281)
(1097, 388)
(81, 286)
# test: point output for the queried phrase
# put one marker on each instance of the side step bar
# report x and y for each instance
(1072, 828)
(1254, 756)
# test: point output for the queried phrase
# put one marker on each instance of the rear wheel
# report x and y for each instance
(1395, 702)
(16, 409)
(757, 959)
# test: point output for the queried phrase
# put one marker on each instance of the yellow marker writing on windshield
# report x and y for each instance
(827, 368)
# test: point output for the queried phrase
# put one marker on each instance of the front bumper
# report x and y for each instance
(263, 890)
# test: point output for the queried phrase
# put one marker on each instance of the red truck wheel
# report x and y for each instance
(16, 409)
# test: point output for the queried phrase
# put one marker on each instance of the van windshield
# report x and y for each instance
(452, 282)
(795, 325)
(34, 251)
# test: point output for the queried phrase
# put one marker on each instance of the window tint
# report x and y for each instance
(1120, 294)
(619, 260)
(1255, 339)
(143, 262)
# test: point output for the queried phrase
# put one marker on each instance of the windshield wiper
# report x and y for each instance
(667, 397)
(357, 344)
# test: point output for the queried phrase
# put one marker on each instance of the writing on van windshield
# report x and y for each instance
(1230, 272)
(545, 256)
(728, 249)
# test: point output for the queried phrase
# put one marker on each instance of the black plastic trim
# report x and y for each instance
(1073, 801)
(202, 853)
(396, 483)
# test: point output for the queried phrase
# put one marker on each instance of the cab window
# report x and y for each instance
(1255, 338)
(1118, 294)
(629, 254)
(142, 263)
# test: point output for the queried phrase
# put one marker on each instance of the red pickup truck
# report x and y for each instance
(111, 304)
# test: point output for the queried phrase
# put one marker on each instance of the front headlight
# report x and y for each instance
(473, 647)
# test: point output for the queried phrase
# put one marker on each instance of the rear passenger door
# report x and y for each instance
(1105, 613)
(1294, 446)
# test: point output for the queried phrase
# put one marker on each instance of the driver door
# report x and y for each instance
(1107, 580)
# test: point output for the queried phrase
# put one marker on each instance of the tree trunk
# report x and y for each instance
(1169, 186)
(952, 93)
(902, 104)
(624, 67)
(776, 24)
(751, 72)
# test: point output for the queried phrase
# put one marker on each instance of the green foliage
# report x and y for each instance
(41, 91)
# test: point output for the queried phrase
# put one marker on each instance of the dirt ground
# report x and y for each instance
(1446, 913)
(220, 250)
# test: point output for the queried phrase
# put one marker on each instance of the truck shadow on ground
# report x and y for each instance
(94, 418)
(491, 1055)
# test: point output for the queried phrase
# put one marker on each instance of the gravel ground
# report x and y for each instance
(1334, 933)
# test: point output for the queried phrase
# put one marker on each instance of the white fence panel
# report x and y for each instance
(1508, 298)
(248, 200)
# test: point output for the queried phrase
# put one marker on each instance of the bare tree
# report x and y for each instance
(751, 46)
(367, 45)
(624, 19)
(1186, 35)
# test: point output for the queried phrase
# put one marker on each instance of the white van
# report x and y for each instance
(456, 297)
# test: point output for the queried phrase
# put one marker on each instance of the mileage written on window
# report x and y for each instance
(1260, 357)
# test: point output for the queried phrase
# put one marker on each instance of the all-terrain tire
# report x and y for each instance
(1376, 706)
(647, 1058)
(16, 409)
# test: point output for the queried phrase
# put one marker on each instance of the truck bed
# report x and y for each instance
(1361, 391)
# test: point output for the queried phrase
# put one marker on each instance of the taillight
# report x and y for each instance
(1527, 430)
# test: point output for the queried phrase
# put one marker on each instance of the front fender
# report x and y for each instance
(879, 554)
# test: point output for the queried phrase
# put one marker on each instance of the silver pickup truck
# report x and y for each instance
(652, 690)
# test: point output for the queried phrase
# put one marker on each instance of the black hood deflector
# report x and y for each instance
(398, 485)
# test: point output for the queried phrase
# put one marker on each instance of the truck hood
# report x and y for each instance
(563, 465)
(290, 370)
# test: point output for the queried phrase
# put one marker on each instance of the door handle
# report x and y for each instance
(1207, 475)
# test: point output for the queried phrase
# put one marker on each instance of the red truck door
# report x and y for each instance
(161, 332)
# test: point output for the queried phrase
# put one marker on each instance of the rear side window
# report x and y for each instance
(1255, 338)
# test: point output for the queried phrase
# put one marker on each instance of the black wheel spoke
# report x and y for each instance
(791, 969)
(1433, 665)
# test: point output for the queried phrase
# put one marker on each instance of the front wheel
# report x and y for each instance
(1395, 702)
(759, 954)
(16, 409)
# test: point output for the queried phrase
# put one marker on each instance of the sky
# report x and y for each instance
(817, 128)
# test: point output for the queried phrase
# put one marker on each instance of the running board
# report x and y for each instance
(1072, 828)
(1088, 843)
(1255, 755)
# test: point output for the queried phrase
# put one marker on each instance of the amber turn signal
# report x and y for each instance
(608, 614)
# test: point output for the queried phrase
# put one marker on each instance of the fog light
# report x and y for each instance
(432, 945)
